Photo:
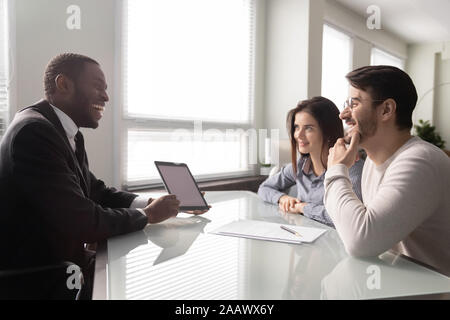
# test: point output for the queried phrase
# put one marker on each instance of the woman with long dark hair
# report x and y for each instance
(313, 127)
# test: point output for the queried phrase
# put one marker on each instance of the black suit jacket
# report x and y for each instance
(50, 205)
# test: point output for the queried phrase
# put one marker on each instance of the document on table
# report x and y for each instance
(269, 231)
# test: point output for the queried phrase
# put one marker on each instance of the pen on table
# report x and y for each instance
(291, 231)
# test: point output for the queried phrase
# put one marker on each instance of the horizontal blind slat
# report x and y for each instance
(174, 69)
(3, 67)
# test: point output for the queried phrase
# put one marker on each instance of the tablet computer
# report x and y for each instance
(178, 180)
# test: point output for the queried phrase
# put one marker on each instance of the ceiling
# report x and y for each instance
(412, 20)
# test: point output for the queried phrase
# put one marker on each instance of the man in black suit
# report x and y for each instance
(52, 205)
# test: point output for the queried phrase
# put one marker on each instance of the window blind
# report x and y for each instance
(336, 63)
(189, 60)
(185, 62)
(381, 57)
(3, 66)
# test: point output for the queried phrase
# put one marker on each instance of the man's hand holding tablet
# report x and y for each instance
(198, 212)
(162, 208)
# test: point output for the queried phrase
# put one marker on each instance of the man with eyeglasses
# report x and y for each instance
(405, 182)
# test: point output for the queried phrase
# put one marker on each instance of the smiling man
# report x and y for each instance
(405, 182)
(52, 205)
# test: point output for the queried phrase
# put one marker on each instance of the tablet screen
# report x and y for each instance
(179, 181)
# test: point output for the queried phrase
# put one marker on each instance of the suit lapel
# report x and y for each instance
(44, 108)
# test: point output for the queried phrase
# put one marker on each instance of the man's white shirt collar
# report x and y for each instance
(69, 126)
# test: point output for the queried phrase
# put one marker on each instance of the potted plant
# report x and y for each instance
(265, 169)
(427, 132)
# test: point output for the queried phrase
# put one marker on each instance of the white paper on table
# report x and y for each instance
(262, 230)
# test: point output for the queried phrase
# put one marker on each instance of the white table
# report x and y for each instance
(180, 259)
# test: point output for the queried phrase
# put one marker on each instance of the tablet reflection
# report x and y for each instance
(175, 236)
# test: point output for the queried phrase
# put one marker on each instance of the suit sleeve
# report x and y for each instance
(43, 174)
(109, 197)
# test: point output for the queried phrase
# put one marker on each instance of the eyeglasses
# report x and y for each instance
(354, 102)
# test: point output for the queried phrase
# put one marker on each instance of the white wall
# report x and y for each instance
(355, 25)
(315, 41)
(442, 98)
(260, 61)
(429, 67)
(286, 68)
(41, 34)
(421, 66)
(361, 53)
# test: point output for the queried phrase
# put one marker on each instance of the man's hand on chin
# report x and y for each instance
(351, 131)
(340, 154)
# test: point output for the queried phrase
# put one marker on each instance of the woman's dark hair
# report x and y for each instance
(384, 82)
(327, 116)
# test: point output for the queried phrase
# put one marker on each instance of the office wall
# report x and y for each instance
(260, 61)
(315, 41)
(356, 25)
(361, 53)
(442, 98)
(421, 66)
(286, 67)
(41, 33)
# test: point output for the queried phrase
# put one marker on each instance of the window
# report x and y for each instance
(188, 87)
(380, 57)
(336, 63)
(3, 66)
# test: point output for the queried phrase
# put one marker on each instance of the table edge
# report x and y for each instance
(100, 286)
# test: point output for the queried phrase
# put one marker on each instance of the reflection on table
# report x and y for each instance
(180, 259)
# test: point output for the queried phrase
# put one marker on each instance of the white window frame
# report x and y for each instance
(339, 104)
(4, 19)
(388, 54)
(122, 122)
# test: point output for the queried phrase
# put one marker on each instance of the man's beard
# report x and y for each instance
(82, 106)
(367, 128)
(79, 99)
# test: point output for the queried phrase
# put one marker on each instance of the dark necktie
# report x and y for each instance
(79, 148)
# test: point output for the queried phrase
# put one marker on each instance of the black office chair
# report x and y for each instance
(48, 282)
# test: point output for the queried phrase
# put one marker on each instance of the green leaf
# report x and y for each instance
(427, 132)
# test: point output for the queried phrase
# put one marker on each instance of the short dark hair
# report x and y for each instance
(69, 64)
(327, 116)
(384, 82)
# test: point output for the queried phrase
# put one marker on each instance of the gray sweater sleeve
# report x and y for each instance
(273, 188)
